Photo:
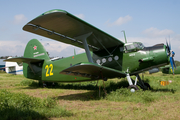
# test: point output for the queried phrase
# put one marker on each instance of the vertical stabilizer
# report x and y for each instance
(34, 49)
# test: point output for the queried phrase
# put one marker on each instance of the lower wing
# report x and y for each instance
(93, 71)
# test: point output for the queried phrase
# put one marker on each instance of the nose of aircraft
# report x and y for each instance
(171, 54)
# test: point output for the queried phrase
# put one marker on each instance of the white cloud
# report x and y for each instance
(60, 49)
(19, 18)
(81, 16)
(154, 32)
(12, 48)
(120, 21)
(54, 46)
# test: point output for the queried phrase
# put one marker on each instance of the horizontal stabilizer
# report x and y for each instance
(93, 71)
(25, 60)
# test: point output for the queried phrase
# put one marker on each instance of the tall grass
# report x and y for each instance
(21, 106)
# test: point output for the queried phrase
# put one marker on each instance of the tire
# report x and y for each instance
(133, 88)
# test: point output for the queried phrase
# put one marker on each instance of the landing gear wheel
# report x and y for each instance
(148, 86)
(133, 88)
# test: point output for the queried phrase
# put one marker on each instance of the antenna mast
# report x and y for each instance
(124, 36)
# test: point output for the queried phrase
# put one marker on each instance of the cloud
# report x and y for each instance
(54, 48)
(81, 16)
(19, 18)
(12, 48)
(79, 50)
(154, 32)
(120, 21)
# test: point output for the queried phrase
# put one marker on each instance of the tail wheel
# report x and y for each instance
(133, 88)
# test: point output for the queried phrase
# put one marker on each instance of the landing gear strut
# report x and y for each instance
(133, 87)
(144, 86)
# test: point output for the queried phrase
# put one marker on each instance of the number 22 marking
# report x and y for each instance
(49, 67)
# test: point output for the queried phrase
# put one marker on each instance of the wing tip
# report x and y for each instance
(54, 10)
(46, 13)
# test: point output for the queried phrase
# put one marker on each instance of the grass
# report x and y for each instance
(82, 101)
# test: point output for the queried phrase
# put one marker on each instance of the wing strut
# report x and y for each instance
(83, 38)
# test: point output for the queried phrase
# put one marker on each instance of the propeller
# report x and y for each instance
(171, 54)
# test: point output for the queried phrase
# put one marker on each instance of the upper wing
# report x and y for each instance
(65, 27)
(93, 71)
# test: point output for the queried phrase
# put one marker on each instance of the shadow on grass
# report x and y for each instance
(160, 89)
(80, 96)
(16, 114)
(109, 86)
(79, 86)
(163, 90)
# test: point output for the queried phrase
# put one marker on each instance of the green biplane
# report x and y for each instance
(105, 56)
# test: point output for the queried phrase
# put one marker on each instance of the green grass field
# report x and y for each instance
(21, 98)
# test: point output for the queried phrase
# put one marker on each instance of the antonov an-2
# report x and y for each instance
(105, 56)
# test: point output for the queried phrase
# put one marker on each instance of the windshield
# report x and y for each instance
(133, 46)
(139, 45)
(129, 47)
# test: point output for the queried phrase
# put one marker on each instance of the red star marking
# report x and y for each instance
(35, 47)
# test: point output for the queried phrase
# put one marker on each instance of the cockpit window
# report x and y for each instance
(139, 45)
(130, 47)
(133, 47)
(136, 45)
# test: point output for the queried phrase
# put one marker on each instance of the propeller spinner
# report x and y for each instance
(171, 54)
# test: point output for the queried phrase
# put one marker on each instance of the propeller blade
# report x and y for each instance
(167, 46)
(174, 63)
(171, 55)
(171, 61)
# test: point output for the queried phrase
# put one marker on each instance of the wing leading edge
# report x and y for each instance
(93, 71)
(65, 27)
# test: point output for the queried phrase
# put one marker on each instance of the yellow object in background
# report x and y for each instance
(164, 83)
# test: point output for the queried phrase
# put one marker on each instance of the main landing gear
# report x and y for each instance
(133, 87)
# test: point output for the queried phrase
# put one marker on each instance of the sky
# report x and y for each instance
(148, 21)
